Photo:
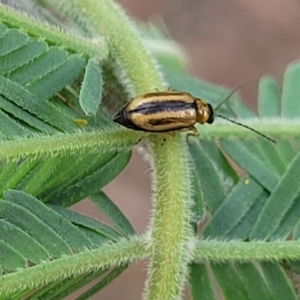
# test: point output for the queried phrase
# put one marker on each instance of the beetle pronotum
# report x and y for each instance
(167, 111)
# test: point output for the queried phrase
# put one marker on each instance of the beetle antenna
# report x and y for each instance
(228, 96)
(252, 129)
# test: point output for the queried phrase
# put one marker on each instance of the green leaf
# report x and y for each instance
(289, 223)
(28, 101)
(32, 182)
(256, 168)
(200, 283)
(7, 168)
(30, 223)
(233, 208)
(13, 236)
(113, 213)
(268, 97)
(22, 56)
(53, 82)
(242, 229)
(272, 155)
(213, 189)
(286, 150)
(87, 222)
(10, 259)
(26, 118)
(279, 284)
(3, 30)
(93, 183)
(91, 90)
(74, 238)
(61, 290)
(253, 282)
(12, 40)
(104, 282)
(10, 128)
(39, 67)
(64, 174)
(275, 207)
(214, 152)
(94, 236)
(24, 220)
(17, 174)
(229, 282)
(291, 91)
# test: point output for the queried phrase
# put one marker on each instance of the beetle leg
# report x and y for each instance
(140, 139)
(171, 134)
(168, 89)
(194, 130)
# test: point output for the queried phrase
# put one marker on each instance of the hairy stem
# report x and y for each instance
(171, 231)
(82, 263)
(221, 251)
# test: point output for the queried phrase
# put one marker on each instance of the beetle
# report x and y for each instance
(169, 111)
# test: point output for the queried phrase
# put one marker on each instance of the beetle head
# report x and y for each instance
(121, 118)
(205, 112)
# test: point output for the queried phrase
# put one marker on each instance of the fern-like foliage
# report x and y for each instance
(263, 205)
(239, 236)
(40, 98)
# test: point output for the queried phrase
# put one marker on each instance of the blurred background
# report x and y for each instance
(228, 42)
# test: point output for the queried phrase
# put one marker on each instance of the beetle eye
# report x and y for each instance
(211, 117)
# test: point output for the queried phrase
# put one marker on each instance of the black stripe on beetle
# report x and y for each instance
(161, 107)
(165, 121)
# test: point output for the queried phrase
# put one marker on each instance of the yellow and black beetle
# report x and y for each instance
(167, 111)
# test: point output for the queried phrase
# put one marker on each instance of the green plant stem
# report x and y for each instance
(171, 231)
(92, 48)
(125, 251)
(281, 128)
(82, 263)
(60, 144)
(221, 251)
